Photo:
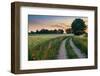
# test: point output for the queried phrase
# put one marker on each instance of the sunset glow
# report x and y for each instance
(38, 22)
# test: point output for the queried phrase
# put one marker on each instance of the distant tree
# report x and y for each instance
(32, 32)
(60, 31)
(69, 30)
(55, 31)
(78, 26)
(37, 32)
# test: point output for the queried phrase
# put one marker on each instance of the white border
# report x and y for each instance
(25, 64)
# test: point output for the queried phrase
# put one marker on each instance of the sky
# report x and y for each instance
(50, 22)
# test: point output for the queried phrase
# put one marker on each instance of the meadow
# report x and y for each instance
(46, 46)
(82, 44)
(42, 47)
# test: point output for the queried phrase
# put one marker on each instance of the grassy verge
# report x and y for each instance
(44, 48)
(81, 43)
(70, 53)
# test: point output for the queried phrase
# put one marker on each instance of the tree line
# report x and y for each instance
(46, 31)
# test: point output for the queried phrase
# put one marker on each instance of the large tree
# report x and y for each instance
(78, 26)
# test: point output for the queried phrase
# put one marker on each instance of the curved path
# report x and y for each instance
(76, 50)
(62, 51)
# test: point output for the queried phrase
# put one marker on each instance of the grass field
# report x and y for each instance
(46, 46)
(42, 47)
(81, 43)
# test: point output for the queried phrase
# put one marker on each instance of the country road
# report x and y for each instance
(76, 50)
(62, 54)
(62, 51)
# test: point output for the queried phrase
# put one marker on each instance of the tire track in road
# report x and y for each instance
(62, 51)
(76, 50)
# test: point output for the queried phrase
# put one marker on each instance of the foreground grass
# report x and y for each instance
(70, 53)
(44, 47)
(81, 43)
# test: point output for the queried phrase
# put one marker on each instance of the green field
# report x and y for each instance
(44, 46)
(81, 43)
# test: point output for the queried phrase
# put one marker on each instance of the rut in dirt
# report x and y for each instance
(62, 51)
(76, 50)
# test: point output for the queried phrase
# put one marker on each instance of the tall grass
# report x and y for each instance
(81, 43)
(44, 48)
(70, 53)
